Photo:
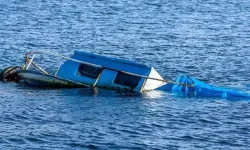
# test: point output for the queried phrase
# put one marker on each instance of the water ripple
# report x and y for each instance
(206, 39)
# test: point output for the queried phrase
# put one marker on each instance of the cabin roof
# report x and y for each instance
(110, 59)
(112, 63)
(129, 62)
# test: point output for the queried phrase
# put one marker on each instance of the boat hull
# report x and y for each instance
(41, 80)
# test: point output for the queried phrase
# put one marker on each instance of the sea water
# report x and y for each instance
(209, 40)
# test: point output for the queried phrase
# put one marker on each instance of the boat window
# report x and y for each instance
(89, 71)
(127, 80)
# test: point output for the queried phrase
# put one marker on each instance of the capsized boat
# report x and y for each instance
(88, 70)
(91, 70)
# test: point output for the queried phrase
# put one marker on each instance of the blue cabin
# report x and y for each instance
(111, 73)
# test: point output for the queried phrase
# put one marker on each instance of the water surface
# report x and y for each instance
(205, 39)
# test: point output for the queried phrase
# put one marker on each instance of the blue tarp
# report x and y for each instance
(201, 89)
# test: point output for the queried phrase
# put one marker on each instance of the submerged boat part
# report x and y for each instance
(201, 89)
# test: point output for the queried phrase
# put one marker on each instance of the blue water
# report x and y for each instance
(209, 40)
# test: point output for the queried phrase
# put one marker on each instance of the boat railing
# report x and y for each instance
(79, 61)
(34, 53)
